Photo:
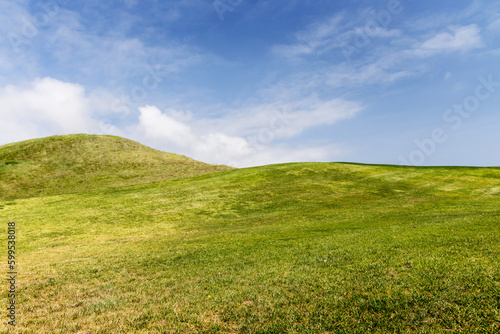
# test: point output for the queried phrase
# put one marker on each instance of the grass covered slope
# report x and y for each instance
(77, 163)
(294, 248)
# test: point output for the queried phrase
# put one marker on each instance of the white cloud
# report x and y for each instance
(248, 137)
(221, 148)
(174, 131)
(459, 38)
(43, 107)
(156, 124)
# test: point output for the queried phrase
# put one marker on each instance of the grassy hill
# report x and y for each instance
(292, 248)
(78, 163)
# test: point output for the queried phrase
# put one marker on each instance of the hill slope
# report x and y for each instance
(294, 248)
(77, 163)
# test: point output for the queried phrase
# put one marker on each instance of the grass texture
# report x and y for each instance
(290, 248)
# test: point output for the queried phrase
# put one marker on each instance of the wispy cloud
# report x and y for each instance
(334, 35)
(391, 54)
(458, 38)
(288, 118)
(316, 39)
(40, 38)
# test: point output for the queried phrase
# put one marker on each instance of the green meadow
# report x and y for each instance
(114, 237)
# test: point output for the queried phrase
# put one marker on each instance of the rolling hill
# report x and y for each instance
(78, 163)
(289, 248)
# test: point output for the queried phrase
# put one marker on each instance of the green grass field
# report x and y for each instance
(291, 248)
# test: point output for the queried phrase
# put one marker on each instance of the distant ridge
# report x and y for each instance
(78, 163)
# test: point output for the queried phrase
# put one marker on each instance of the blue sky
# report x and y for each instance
(247, 83)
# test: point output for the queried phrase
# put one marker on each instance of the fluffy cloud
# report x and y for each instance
(43, 107)
(221, 148)
(248, 137)
(157, 125)
(174, 131)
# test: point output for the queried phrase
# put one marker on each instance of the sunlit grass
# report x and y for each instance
(297, 248)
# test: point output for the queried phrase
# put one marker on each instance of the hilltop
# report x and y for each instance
(79, 163)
